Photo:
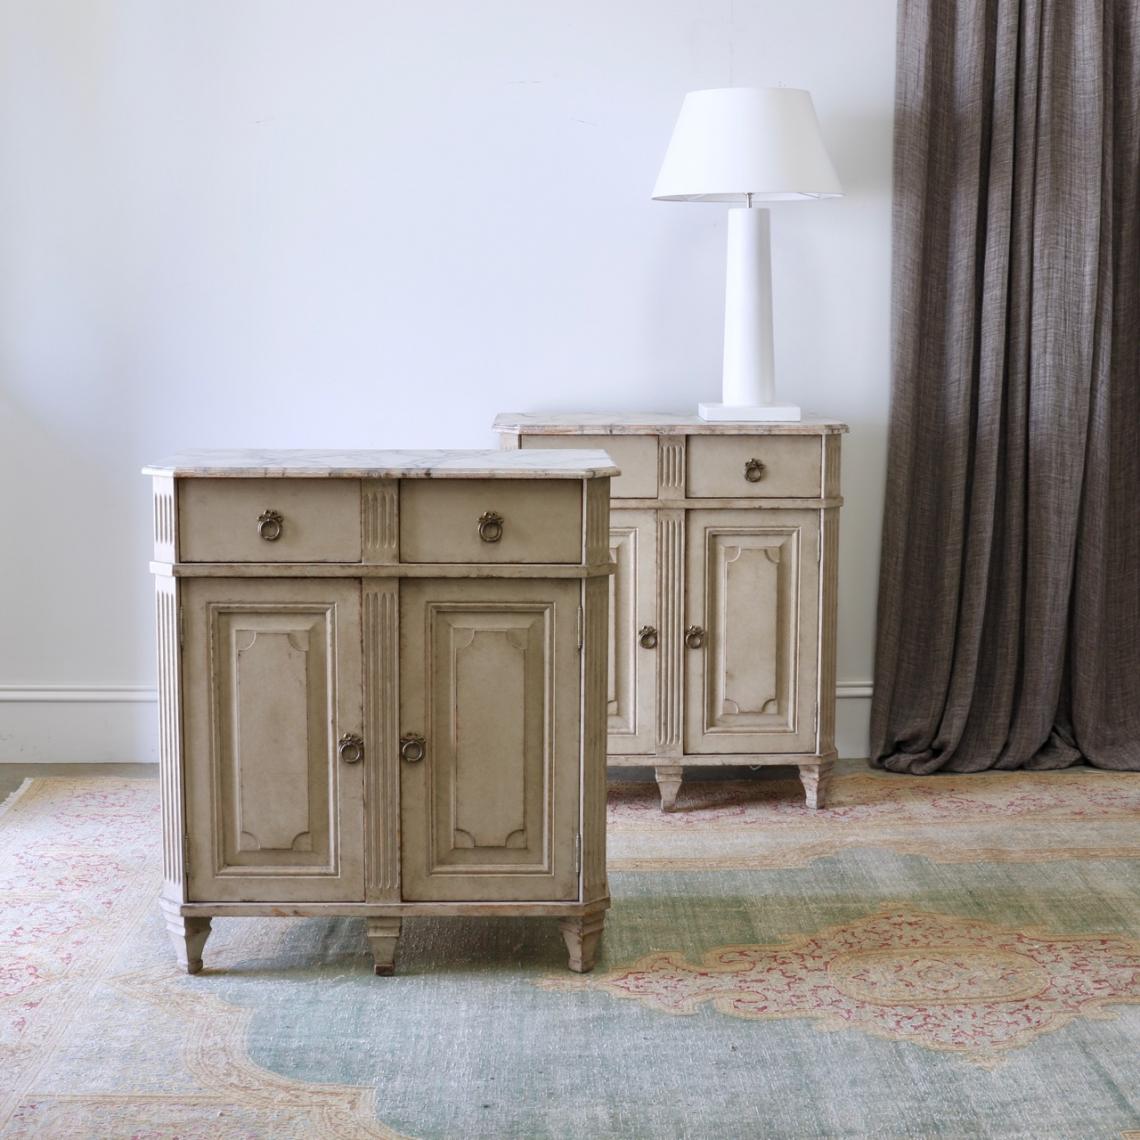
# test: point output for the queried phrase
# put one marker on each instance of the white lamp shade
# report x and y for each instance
(732, 142)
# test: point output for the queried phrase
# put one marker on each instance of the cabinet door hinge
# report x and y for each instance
(581, 623)
(186, 857)
(578, 853)
(819, 548)
(181, 626)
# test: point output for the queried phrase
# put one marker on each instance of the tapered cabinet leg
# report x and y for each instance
(383, 934)
(582, 936)
(188, 936)
(668, 784)
(816, 778)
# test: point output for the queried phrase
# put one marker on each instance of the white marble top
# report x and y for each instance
(554, 464)
(654, 423)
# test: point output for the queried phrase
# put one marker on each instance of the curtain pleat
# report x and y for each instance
(1009, 600)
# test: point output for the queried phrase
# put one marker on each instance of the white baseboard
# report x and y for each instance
(107, 724)
(78, 724)
(77, 694)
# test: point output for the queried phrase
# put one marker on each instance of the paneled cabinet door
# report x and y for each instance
(490, 750)
(271, 682)
(633, 644)
(751, 657)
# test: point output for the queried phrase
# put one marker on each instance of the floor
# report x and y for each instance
(969, 943)
(13, 775)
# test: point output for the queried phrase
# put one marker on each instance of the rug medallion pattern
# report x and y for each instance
(942, 982)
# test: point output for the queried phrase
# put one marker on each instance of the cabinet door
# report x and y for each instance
(753, 584)
(490, 677)
(633, 604)
(271, 680)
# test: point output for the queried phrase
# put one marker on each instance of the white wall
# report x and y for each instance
(373, 223)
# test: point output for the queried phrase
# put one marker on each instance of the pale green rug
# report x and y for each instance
(938, 957)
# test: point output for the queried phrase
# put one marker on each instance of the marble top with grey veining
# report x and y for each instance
(452, 464)
(656, 423)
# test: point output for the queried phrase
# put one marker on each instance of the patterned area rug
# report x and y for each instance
(969, 945)
(993, 816)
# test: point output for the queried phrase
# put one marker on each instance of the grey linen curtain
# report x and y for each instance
(1009, 597)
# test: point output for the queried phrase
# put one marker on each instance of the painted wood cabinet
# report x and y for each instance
(723, 604)
(382, 688)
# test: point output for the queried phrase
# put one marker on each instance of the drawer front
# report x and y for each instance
(454, 520)
(754, 466)
(269, 520)
(636, 455)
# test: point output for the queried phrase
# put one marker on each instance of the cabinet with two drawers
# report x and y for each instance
(723, 604)
(382, 688)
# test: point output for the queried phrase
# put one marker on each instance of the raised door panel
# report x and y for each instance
(490, 678)
(272, 679)
(753, 585)
(631, 674)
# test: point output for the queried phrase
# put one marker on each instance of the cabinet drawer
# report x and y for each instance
(786, 466)
(636, 455)
(442, 521)
(236, 520)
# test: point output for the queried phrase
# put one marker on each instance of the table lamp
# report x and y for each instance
(742, 145)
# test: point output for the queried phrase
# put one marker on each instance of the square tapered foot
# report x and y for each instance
(582, 936)
(750, 413)
(188, 936)
(816, 779)
(383, 935)
(668, 778)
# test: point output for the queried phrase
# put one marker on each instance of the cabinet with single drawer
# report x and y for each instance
(376, 701)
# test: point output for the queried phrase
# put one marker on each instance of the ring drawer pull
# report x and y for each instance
(269, 525)
(490, 526)
(754, 471)
(351, 748)
(694, 637)
(412, 748)
(647, 638)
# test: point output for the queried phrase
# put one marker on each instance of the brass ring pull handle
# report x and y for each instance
(754, 471)
(351, 748)
(269, 525)
(412, 748)
(490, 526)
(694, 637)
(647, 638)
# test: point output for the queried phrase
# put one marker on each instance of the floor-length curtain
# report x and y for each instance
(1009, 598)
